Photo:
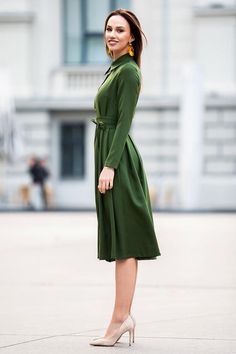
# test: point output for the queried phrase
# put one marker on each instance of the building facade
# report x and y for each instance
(185, 122)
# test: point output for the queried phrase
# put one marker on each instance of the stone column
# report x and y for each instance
(191, 137)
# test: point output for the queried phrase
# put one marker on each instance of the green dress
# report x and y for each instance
(124, 214)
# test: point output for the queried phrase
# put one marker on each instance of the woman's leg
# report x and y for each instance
(126, 275)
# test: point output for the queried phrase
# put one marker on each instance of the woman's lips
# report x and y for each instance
(112, 42)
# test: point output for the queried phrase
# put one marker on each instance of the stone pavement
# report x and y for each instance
(55, 295)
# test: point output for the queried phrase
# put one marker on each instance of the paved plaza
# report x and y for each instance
(55, 295)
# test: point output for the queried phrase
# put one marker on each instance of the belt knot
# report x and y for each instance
(104, 122)
(99, 123)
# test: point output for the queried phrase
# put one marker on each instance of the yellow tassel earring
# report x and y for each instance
(130, 50)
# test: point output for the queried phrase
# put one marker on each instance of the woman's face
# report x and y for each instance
(117, 35)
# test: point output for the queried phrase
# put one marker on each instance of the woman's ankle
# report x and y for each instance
(120, 317)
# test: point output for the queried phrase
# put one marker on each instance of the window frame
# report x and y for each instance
(84, 33)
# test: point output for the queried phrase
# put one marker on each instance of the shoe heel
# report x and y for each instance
(131, 336)
(134, 323)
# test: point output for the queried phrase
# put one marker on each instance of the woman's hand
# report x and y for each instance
(106, 179)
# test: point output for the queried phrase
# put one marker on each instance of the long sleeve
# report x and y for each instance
(127, 96)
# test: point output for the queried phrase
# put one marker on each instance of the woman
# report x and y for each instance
(125, 222)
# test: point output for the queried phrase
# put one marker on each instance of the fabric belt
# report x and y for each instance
(104, 122)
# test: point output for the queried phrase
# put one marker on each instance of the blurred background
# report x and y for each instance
(52, 61)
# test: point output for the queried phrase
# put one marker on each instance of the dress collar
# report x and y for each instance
(125, 58)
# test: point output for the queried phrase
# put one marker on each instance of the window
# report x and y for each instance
(216, 47)
(72, 150)
(83, 29)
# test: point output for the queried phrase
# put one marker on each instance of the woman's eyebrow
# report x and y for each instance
(116, 26)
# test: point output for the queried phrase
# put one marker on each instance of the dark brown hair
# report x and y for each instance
(135, 29)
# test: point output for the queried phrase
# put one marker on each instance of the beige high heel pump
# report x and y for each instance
(127, 325)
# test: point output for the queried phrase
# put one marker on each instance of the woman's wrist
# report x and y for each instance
(109, 167)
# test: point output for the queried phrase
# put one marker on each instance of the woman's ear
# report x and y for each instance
(131, 38)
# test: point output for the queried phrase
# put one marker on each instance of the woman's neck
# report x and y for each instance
(117, 55)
